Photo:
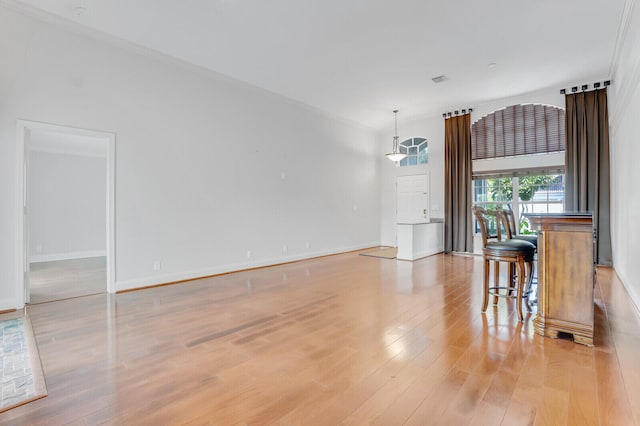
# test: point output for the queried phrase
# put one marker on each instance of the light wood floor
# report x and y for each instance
(344, 339)
(63, 279)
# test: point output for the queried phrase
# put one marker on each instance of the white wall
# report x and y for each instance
(67, 206)
(207, 168)
(624, 111)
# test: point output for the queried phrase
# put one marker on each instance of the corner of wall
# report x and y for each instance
(635, 297)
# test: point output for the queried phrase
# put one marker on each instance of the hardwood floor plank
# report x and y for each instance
(432, 408)
(583, 397)
(344, 339)
(520, 413)
(425, 384)
(379, 401)
(487, 414)
(500, 390)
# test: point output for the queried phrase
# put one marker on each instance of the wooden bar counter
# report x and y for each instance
(565, 274)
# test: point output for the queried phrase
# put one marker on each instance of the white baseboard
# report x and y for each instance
(159, 279)
(635, 298)
(8, 304)
(66, 256)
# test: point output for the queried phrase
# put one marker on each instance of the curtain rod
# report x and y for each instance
(585, 87)
(456, 112)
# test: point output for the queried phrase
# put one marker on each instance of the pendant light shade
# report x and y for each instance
(396, 155)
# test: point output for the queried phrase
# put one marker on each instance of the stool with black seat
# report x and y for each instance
(515, 252)
(509, 222)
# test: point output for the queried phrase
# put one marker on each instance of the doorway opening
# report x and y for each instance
(66, 226)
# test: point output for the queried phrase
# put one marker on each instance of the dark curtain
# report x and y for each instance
(458, 223)
(587, 164)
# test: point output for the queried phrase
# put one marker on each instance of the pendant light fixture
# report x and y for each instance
(396, 155)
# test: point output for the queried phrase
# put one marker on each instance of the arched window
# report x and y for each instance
(416, 150)
(518, 130)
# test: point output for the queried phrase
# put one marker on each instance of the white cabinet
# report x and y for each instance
(420, 240)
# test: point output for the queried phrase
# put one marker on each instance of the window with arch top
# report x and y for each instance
(417, 151)
(518, 130)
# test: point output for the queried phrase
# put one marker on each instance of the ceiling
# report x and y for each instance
(360, 59)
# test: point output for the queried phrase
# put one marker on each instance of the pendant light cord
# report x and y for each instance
(395, 114)
(395, 138)
(396, 155)
(396, 147)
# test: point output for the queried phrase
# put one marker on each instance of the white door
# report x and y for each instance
(413, 199)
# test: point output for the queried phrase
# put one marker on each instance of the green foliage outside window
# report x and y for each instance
(527, 186)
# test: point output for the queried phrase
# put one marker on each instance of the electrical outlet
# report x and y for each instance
(284, 248)
(248, 254)
(307, 244)
(157, 265)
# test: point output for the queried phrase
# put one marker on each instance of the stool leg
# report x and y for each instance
(521, 273)
(530, 266)
(496, 280)
(512, 277)
(485, 294)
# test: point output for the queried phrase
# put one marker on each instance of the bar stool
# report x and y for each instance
(515, 252)
(509, 222)
(508, 219)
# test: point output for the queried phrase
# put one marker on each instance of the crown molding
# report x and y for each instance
(622, 33)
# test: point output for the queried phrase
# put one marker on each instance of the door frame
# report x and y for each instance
(23, 128)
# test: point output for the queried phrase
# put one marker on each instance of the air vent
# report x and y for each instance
(439, 79)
